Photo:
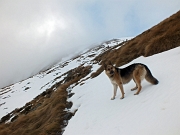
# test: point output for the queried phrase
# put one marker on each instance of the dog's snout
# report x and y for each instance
(111, 72)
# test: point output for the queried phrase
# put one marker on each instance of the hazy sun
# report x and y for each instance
(50, 25)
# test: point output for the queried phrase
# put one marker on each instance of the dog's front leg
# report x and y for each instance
(122, 89)
(115, 91)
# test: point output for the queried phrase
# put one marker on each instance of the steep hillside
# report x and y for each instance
(154, 111)
(162, 37)
(47, 113)
(50, 79)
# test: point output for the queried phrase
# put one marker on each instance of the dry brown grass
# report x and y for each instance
(47, 116)
(162, 37)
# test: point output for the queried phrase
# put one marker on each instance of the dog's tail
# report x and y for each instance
(149, 77)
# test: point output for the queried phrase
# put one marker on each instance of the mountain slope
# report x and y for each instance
(51, 85)
(59, 73)
(162, 37)
(49, 113)
(155, 111)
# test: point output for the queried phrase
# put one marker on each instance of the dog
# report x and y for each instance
(120, 76)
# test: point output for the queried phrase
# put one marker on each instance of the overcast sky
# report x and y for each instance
(35, 34)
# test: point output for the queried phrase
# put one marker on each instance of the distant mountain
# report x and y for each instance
(24, 91)
(39, 104)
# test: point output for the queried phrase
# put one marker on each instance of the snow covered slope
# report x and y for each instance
(17, 95)
(155, 111)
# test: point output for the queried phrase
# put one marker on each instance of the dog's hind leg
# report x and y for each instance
(138, 82)
(135, 86)
(115, 91)
(138, 75)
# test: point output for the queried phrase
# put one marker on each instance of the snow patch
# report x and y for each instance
(155, 111)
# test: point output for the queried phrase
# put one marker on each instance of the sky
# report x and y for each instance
(36, 34)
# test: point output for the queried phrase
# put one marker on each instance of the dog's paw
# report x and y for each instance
(136, 93)
(135, 88)
(121, 97)
(112, 98)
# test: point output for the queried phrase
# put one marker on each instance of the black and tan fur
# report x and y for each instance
(120, 76)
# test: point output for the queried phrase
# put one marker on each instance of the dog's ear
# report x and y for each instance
(110, 63)
(104, 66)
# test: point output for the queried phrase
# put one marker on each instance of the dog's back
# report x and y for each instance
(124, 72)
(127, 73)
(142, 71)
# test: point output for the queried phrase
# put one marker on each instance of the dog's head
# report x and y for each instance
(109, 69)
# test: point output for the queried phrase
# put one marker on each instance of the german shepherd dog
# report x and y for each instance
(120, 76)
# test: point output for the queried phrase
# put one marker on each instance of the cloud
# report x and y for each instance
(37, 34)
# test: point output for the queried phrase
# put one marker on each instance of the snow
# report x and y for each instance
(155, 111)
(17, 95)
